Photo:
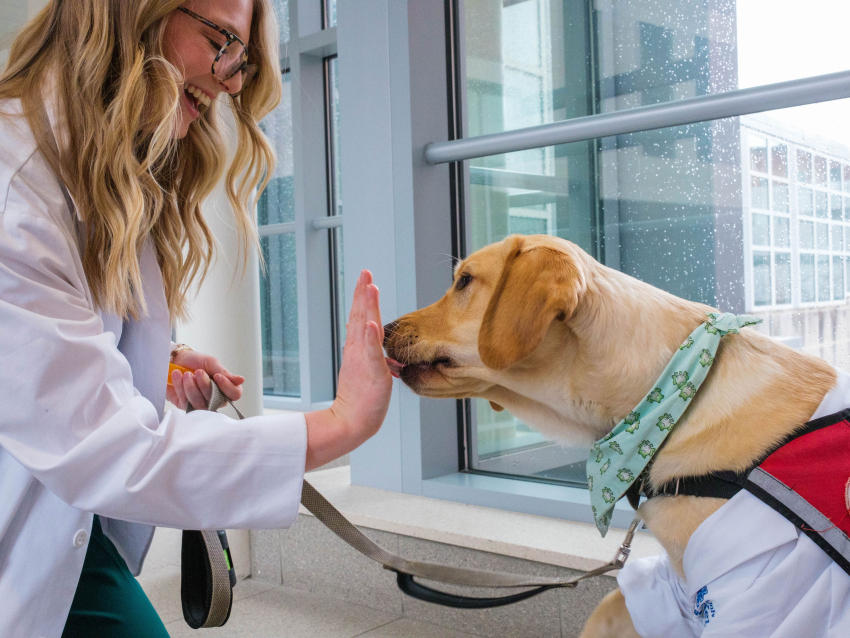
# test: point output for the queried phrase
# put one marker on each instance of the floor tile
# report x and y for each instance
(577, 604)
(162, 587)
(407, 628)
(537, 617)
(165, 549)
(314, 560)
(287, 613)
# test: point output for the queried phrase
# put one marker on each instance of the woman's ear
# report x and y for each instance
(538, 284)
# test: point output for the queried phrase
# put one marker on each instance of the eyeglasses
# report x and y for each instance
(233, 56)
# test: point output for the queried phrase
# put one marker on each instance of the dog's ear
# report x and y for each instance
(498, 408)
(538, 284)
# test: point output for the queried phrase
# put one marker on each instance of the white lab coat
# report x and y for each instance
(82, 428)
(749, 573)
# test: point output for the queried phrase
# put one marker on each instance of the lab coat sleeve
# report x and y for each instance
(70, 414)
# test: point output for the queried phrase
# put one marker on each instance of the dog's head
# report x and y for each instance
(535, 325)
(501, 326)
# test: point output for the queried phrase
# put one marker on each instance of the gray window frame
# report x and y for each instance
(304, 55)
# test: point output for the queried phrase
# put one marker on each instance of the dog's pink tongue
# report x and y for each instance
(394, 366)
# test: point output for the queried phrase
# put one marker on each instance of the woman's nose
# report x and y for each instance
(233, 84)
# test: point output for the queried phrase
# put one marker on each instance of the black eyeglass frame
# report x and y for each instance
(231, 38)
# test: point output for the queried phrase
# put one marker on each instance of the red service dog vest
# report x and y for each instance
(806, 479)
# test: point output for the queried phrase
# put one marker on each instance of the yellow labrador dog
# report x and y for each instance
(536, 326)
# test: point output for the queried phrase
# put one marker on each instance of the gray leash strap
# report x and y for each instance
(406, 570)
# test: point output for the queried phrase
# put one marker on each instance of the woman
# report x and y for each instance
(91, 278)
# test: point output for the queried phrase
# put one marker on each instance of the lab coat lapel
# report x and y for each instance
(145, 343)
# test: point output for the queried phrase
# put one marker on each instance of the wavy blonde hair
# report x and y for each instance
(129, 178)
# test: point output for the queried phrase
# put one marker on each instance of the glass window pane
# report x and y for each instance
(782, 262)
(807, 278)
(761, 230)
(782, 232)
(821, 202)
(779, 203)
(820, 171)
(847, 178)
(662, 205)
(278, 294)
(838, 278)
(779, 159)
(335, 207)
(758, 154)
(807, 235)
(282, 11)
(847, 209)
(805, 201)
(277, 203)
(837, 233)
(804, 167)
(823, 236)
(761, 278)
(279, 316)
(330, 13)
(847, 269)
(847, 238)
(758, 192)
(834, 175)
(835, 207)
(823, 278)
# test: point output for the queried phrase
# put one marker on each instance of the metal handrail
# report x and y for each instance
(821, 88)
(332, 221)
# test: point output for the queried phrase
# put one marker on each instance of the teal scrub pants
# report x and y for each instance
(109, 602)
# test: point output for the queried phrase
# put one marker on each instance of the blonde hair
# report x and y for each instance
(130, 179)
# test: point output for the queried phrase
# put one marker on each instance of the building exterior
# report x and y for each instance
(796, 209)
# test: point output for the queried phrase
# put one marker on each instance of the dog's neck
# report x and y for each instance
(616, 346)
(737, 415)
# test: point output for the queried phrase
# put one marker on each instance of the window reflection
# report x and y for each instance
(745, 214)
(278, 291)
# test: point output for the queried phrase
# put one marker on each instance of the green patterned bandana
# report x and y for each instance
(617, 460)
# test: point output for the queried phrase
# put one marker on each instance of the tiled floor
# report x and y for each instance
(262, 610)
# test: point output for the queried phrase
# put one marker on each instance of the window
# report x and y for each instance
(301, 292)
(662, 205)
(705, 210)
(335, 207)
(278, 284)
(329, 13)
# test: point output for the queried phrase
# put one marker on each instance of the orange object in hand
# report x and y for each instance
(172, 367)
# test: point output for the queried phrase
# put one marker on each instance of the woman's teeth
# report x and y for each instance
(202, 97)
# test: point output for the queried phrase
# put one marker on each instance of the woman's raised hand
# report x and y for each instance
(364, 386)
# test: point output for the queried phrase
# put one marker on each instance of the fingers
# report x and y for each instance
(195, 388)
(374, 347)
(193, 393)
(359, 308)
(231, 390)
(177, 385)
(373, 309)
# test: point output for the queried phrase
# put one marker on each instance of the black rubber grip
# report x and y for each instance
(417, 590)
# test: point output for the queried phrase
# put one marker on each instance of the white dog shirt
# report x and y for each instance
(749, 573)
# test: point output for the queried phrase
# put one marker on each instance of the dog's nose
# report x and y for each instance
(389, 331)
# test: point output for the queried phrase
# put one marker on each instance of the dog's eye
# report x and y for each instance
(463, 281)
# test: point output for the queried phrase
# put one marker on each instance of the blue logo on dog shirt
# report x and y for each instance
(704, 608)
